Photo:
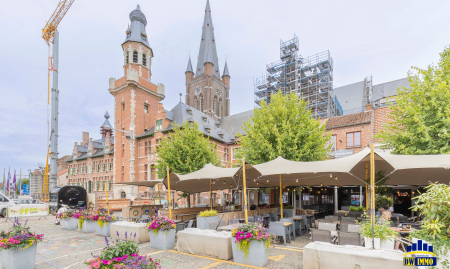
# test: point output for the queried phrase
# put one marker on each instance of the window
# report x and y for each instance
(110, 184)
(106, 149)
(354, 139)
(123, 195)
(110, 166)
(158, 125)
(201, 103)
(144, 59)
(332, 142)
(127, 58)
(215, 108)
(123, 106)
(135, 57)
(220, 108)
(147, 148)
(146, 109)
(196, 102)
(123, 150)
(233, 153)
(225, 155)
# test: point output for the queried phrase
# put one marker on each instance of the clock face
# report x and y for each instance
(218, 92)
(198, 90)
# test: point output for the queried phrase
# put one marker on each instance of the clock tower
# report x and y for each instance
(206, 90)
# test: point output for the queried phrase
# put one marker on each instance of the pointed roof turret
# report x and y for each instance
(136, 30)
(207, 45)
(189, 67)
(225, 70)
(106, 125)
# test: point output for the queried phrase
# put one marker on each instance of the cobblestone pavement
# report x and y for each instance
(69, 249)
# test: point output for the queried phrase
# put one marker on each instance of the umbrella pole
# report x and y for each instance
(245, 191)
(281, 198)
(367, 190)
(106, 195)
(372, 191)
(170, 199)
(210, 194)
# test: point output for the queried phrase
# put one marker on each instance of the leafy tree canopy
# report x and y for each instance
(420, 123)
(185, 150)
(285, 128)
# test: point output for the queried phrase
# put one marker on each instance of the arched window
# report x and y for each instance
(196, 102)
(126, 58)
(123, 195)
(215, 108)
(135, 57)
(201, 103)
(220, 108)
(144, 59)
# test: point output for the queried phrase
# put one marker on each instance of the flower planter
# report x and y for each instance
(202, 222)
(105, 230)
(18, 259)
(440, 258)
(88, 226)
(368, 242)
(161, 240)
(70, 224)
(257, 253)
(388, 244)
(289, 213)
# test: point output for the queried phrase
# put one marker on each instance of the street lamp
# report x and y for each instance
(107, 126)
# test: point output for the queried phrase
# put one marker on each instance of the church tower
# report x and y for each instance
(136, 100)
(205, 89)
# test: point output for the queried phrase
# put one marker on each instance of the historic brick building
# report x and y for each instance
(92, 163)
(141, 121)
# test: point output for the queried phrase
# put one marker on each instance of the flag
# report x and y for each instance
(3, 182)
(9, 177)
(14, 180)
(20, 179)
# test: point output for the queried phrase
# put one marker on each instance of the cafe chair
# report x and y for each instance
(353, 228)
(343, 227)
(303, 222)
(349, 219)
(234, 221)
(332, 227)
(321, 236)
(296, 224)
(180, 227)
(273, 216)
(345, 238)
(190, 224)
(144, 219)
(325, 220)
(332, 218)
(280, 230)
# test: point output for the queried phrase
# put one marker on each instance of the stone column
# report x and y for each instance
(335, 199)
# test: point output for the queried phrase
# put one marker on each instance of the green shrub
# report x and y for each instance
(208, 213)
(383, 201)
(357, 208)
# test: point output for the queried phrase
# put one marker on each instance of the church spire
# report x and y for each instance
(207, 45)
(136, 30)
(225, 70)
(189, 66)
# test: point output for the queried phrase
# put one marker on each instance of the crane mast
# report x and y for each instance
(50, 34)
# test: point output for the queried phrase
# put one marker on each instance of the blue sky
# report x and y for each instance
(379, 38)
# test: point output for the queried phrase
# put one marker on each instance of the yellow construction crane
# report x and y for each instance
(50, 35)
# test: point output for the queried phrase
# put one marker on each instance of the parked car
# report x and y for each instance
(4, 203)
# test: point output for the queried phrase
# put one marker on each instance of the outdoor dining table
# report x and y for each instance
(227, 227)
(309, 220)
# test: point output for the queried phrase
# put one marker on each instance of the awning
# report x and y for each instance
(150, 183)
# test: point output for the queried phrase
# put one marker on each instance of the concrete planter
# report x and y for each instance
(161, 240)
(440, 258)
(257, 253)
(105, 230)
(18, 259)
(202, 222)
(388, 244)
(88, 226)
(368, 242)
(70, 224)
(289, 213)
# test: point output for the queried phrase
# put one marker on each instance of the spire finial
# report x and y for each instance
(106, 115)
(138, 7)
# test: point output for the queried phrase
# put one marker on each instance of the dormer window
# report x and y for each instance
(135, 57)
(204, 118)
(218, 124)
(189, 110)
(221, 135)
(208, 129)
(144, 59)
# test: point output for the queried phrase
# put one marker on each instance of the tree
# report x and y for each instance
(285, 128)
(185, 150)
(419, 123)
(22, 182)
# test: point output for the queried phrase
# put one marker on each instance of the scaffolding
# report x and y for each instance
(310, 78)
